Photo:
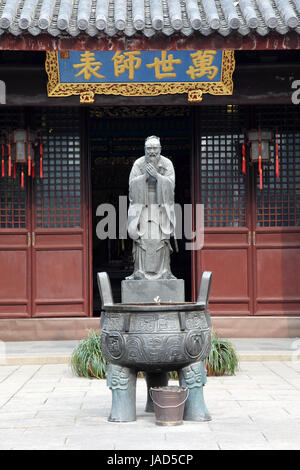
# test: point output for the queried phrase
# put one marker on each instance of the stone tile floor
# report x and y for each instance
(47, 407)
(59, 352)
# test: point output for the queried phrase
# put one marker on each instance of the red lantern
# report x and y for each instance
(20, 148)
(260, 149)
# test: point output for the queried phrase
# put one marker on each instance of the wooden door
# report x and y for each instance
(276, 231)
(44, 232)
(252, 236)
(15, 229)
(15, 249)
(220, 185)
(59, 236)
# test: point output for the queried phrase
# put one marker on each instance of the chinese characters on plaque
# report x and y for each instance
(141, 66)
(139, 73)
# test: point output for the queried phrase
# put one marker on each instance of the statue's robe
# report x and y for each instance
(151, 219)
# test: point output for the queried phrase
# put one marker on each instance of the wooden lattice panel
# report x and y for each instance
(12, 202)
(222, 185)
(278, 203)
(12, 196)
(58, 193)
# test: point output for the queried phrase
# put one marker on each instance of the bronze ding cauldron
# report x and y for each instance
(155, 336)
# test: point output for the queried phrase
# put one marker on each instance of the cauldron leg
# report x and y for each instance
(194, 378)
(158, 379)
(122, 382)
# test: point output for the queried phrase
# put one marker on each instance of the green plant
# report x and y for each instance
(222, 359)
(173, 375)
(87, 359)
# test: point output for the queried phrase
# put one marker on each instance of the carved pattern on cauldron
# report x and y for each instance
(113, 344)
(117, 377)
(194, 375)
(207, 345)
(114, 321)
(194, 321)
(197, 344)
(135, 350)
(154, 348)
(144, 323)
(166, 324)
(174, 349)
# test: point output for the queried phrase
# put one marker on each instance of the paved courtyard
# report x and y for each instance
(47, 407)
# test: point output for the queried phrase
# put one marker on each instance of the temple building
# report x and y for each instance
(82, 84)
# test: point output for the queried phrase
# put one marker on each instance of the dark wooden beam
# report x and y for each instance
(253, 84)
(44, 42)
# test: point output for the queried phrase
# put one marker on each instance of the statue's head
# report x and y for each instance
(152, 149)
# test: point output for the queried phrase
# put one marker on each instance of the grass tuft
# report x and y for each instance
(222, 359)
(87, 359)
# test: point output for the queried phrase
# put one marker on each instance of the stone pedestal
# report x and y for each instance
(168, 290)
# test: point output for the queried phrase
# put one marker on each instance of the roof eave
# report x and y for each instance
(234, 41)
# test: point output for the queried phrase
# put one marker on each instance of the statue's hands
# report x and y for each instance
(151, 170)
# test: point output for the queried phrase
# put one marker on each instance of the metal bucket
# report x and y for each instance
(169, 404)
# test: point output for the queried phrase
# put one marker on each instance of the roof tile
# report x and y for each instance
(148, 17)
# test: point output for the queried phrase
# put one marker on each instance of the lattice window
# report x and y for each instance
(12, 202)
(58, 193)
(12, 196)
(278, 204)
(222, 185)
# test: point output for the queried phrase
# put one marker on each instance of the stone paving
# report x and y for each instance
(59, 352)
(47, 407)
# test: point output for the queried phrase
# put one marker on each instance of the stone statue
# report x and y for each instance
(151, 215)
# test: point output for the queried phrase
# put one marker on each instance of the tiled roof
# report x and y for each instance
(148, 17)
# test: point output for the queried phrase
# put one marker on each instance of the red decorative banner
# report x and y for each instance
(29, 156)
(22, 178)
(9, 156)
(244, 157)
(260, 179)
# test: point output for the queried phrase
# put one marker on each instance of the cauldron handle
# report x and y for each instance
(204, 289)
(105, 289)
(203, 295)
(105, 293)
